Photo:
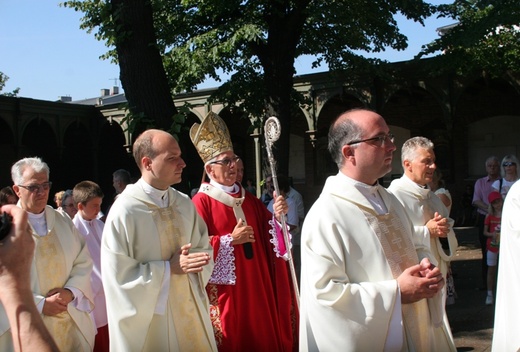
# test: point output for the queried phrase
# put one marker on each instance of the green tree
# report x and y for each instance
(3, 80)
(257, 43)
(128, 27)
(486, 36)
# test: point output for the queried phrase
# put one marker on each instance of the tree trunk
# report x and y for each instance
(277, 58)
(142, 72)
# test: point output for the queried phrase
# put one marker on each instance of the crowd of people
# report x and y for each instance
(164, 271)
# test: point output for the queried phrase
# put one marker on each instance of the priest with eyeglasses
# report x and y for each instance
(61, 268)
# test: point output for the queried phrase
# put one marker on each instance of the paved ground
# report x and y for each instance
(471, 320)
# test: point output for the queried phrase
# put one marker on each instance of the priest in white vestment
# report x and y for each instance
(364, 285)
(156, 258)
(507, 307)
(61, 269)
(429, 215)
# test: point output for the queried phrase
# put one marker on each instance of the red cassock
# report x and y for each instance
(258, 312)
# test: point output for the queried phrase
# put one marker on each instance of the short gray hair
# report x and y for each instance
(408, 152)
(492, 158)
(18, 168)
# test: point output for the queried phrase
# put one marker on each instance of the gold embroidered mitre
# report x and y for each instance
(211, 137)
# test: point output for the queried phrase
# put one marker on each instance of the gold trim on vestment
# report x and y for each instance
(187, 318)
(400, 254)
(52, 273)
(226, 199)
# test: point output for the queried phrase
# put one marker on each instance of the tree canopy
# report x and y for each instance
(3, 80)
(254, 41)
(486, 37)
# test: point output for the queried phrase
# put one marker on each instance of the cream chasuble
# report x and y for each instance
(400, 253)
(52, 273)
(421, 205)
(350, 259)
(191, 335)
(139, 238)
(61, 259)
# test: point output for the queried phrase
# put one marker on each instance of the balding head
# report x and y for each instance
(146, 145)
(158, 156)
(361, 146)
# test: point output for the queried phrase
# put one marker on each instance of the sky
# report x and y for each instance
(45, 53)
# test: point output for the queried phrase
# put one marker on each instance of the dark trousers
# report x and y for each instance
(482, 239)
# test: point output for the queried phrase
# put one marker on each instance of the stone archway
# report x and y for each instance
(495, 135)
(419, 113)
(192, 173)
(485, 120)
(113, 155)
(39, 139)
(78, 162)
(299, 145)
(324, 166)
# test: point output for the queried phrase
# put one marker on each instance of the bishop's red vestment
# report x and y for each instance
(252, 300)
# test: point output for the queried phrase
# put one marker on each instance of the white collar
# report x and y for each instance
(227, 189)
(362, 187)
(159, 196)
(38, 222)
(370, 192)
(422, 190)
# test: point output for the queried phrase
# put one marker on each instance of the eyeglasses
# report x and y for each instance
(37, 188)
(226, 161)
(508, 163)
(380, 140)
(69, 205)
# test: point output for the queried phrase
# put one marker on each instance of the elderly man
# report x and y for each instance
(483, 187)
(364, 285)
(428, 213)
(16, 255)
(252, 300)
(156, 258)
(60, 273)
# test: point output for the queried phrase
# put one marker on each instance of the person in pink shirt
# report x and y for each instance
(483, 187)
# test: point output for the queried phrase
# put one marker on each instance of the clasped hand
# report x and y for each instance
(57, 301)
(423, 280)
(438, 226)
(184, 262)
